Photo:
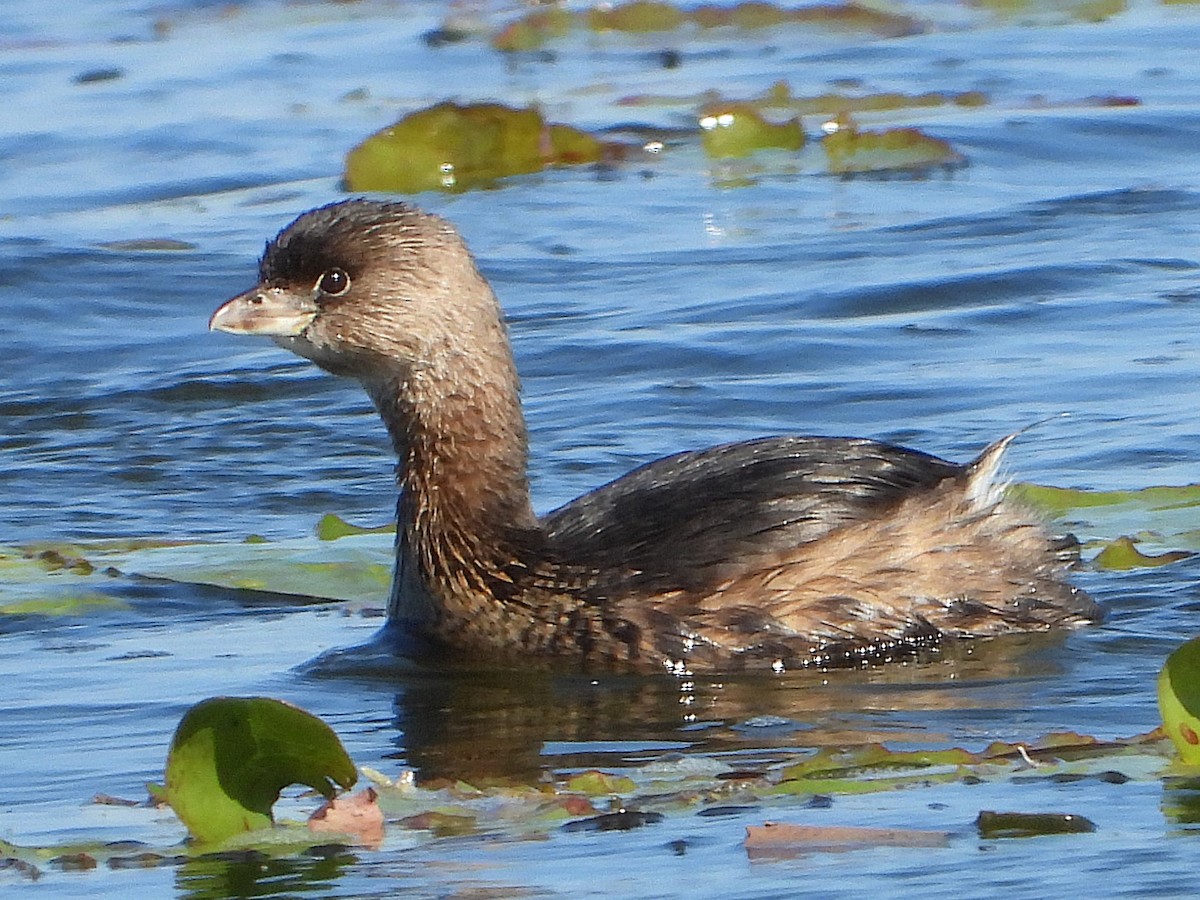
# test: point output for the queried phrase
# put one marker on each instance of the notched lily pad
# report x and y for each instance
(331, 527)
(1179, 700)
(1123, 554)
(231, 756)
(448, 147)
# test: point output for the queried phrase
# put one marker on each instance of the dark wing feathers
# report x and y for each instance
(678, 522)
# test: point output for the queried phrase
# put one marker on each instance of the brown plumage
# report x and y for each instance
(777, 552)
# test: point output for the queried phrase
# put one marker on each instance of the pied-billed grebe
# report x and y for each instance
(776, 552)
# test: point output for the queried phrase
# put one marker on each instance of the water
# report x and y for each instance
(654, 307)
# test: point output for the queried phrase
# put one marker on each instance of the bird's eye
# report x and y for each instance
(334, 282)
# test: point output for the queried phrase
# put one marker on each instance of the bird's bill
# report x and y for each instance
(264, 310)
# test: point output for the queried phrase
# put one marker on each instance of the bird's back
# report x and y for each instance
(801, 550)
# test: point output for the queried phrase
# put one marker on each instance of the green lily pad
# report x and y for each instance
(595, 783)
(1059, 501)
(656, 16)
(1123, 554)
(331, 527)
(448, 147)
(231, 756)
(738, 130)
(850, 151)
(69, 604)
(1179, 700)
(1162, 517)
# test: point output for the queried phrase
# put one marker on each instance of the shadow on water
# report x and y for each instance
(254, 874)
(479, 725)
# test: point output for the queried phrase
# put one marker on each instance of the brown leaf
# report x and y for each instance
(783, 837)
(358, 815)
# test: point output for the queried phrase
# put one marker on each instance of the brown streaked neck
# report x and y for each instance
(459, 434)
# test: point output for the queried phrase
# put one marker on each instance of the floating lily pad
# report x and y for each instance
(1060, 501)
(1049, 11)
(1157, 518)
(624, 820)
(443, 823)
(1123, 554)
(832, 104)
(1015, 825)
(449, 147)
(515, 808)
(787, 839)
(851, 151)
(533, 30)
(331, 527)
(738, 130)
(636, 16)
(231, 756)
(1179, 700)
(596, 783)
(68, 604)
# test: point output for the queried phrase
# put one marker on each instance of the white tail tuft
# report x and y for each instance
(985, 486)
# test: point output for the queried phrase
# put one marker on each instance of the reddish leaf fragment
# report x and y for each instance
(358, 815)
(74, 862)
(783, 837)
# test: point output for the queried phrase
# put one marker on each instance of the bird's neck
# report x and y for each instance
(465, 520)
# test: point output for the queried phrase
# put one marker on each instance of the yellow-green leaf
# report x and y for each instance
(595, 783)
(1123, 554)
(1179, 700)
(231, 756)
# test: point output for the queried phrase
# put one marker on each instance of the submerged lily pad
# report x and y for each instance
(231, 756)
(448, 147)
(1179, 700)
